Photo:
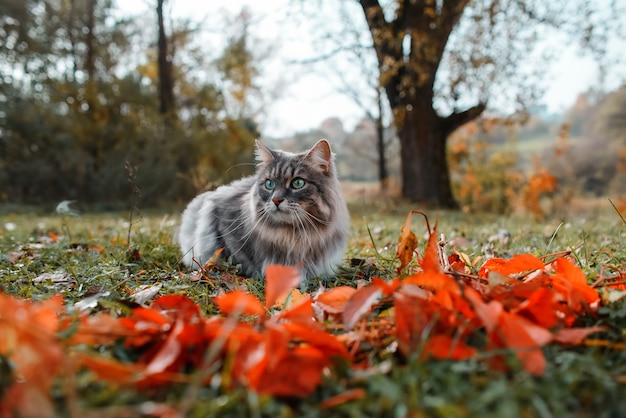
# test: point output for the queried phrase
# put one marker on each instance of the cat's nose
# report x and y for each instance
(277, 200)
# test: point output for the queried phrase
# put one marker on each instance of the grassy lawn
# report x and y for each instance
(103, 260)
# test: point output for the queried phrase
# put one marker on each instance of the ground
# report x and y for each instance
(105, 259)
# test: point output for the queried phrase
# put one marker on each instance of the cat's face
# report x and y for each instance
(293, 189)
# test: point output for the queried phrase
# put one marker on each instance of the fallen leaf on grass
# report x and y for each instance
(90, 302)
(110, 369)
(282, 380)
(446, 347)
(432, 280)
(146, 293)
(359, 304)
(333, 301)
(279, 280)
(363, 299)
(98, 329)
(594, 342)
(612, 295)
(27, 253)
(300, 312)
(520, 263)
(58, 277)
(412, 316)
(406, 244)
(239, 302)
(575, 335)
(173, 330)
(525, 338)
(30, 344)
(430, 262)
(344, 397)
(572, 283)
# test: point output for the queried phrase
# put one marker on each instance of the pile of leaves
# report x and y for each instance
(441, 306)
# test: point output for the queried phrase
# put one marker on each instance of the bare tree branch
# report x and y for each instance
(457, 119)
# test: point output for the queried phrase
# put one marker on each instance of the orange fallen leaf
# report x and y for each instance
(412, 316)
(359, 304)
(300, 312)
(519, 263)
(110, 369)
(329, 345)
(446, 347)
(525, 338)
(540, 307)
(283, 381)
(347, 396)
(488, 313)
(289, 299)
(240, 303)
(387, 287)
(99, 329)
(406, 244)
(575, 335)
(572, 281)
(432, 280)
(279, 280)
(430, 262)
(457, 264)
(333, 301)
(29, 343)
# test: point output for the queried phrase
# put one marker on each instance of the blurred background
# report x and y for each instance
(487, 105)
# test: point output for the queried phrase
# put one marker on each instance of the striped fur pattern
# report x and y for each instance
(291, 212)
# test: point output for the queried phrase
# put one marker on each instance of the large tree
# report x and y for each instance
(489, 47)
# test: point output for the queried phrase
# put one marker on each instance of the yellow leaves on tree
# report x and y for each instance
(540, 182)
(487, 178)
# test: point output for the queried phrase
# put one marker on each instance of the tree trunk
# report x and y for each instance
(166, 81)
(90, 60)
(383, 174)
(423, 149)
(424, 167)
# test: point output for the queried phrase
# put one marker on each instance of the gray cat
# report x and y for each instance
(291, 212)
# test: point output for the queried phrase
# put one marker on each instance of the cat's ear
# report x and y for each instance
(263, 154)
(320, 155)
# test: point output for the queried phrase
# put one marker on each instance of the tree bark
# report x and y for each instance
(423, 151)
(90, 60)
(164, 63)
(418, 147)
(383, 174)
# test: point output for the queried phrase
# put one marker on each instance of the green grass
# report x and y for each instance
(579, 381)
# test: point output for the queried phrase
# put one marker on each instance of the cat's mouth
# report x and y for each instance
(280, 214)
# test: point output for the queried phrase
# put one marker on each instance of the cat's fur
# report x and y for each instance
(305, 227)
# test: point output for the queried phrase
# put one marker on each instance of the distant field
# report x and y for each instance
(541, 145)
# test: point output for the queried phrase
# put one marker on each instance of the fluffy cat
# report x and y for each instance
(291, 212)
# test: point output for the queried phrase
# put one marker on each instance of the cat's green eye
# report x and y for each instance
(269, 184)
(297, 183)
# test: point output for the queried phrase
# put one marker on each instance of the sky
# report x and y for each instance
(304, 98)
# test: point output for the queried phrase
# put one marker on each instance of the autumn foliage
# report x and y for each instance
(438, 307)
(491, 178)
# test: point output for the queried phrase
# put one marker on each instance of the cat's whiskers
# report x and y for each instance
(315, 218)
(308, 238)
(302, 214)
(234, 224)
(261, 219)
(301, 227)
